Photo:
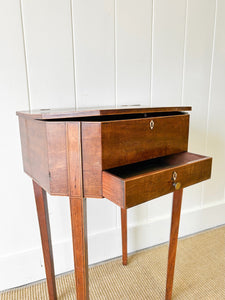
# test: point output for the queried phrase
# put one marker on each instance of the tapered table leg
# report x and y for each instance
(79, 233)
(43, 218)
(177, 200)
(124, 234)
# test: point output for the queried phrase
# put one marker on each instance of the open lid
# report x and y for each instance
(98, 111)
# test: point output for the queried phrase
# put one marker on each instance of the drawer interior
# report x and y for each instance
(155, 165)
(136, 183)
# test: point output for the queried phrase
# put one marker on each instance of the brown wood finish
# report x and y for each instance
(43, 218)
(105, 144)
(79, 233)
(57, 158)
(114, 189)
(25, 146)
(124, 235)
(175, 221)
(115, 143)
(91, 151)
(112, 153)
(129, 141)
(151, 179)
(74, 159)
(77, 209)
(38, 153)
(45, 154)
(99, 111)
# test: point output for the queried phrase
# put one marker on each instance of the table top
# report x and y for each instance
(96, 111)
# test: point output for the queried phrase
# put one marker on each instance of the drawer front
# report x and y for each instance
(159, 184)
(129, 141)
(133, 190)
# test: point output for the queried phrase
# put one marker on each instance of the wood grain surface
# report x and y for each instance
(79, 233)
(43, 218)
(99, 111)
(150, 179)
(77, 209)
(129, 141)
(175, 221)
(109, 144)
(124, 235)
(92, 159)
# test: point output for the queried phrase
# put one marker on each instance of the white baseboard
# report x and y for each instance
(26, 267)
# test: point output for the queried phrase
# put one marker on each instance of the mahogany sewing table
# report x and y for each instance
(127, 155)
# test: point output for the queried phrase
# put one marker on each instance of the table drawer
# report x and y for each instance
(134, 184)
(129, 141)
(109, 144)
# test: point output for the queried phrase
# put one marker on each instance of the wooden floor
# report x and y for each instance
(199, 274)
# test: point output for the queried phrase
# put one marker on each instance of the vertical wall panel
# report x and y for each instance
(168, 48)
(133, 51)
(94, 52)
(16, 191)
(101, 215)
(160, 207)
(197, 67)
(47, 26)
(214, 189)
(199, 42)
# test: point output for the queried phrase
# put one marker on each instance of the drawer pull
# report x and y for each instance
(177, 185)
(152, 124)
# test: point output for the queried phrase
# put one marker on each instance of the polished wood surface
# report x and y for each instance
(124, 235)
(96, 111)
(74, 159)
(105, 144)
(91, 151)
(129, 141)
(110, 144)
(128, 155)
(43, 218)
(44, 153)
(79, 232)
(77, 209)
(134, 184)
(57, 158)
(175, 221)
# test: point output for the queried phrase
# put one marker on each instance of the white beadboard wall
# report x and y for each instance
(71, 53)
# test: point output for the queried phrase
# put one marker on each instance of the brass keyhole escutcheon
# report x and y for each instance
(174, 176)
(152, 124)
(177, 185)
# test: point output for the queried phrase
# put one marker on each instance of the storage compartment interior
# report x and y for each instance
(116, 117)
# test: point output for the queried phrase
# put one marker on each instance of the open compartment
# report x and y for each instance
(134, 184)
(109, 144)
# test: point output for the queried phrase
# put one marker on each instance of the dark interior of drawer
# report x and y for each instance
(156, 164)
(116, 117)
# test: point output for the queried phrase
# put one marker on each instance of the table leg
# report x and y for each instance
(124, 234)
(177, 200)
(79, 233)
(43, 218)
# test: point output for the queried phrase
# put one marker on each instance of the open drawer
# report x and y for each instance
(134, 184)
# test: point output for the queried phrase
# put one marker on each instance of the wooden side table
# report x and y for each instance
(129, 156)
